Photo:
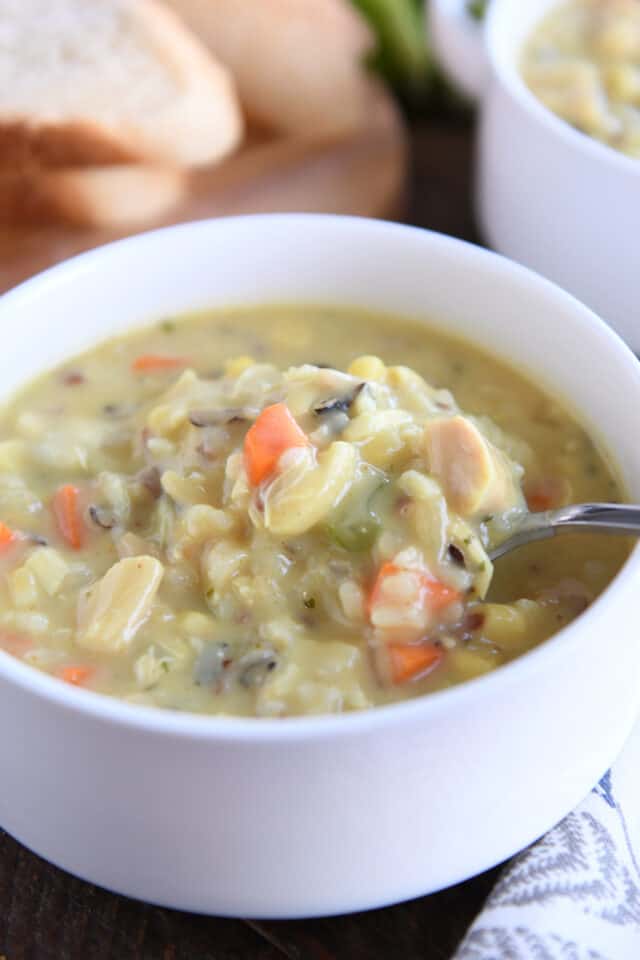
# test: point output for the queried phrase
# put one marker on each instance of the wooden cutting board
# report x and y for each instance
(362, 174)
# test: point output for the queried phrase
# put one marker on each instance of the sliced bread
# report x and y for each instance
(111, 197)
(298, 64)
(109, 81)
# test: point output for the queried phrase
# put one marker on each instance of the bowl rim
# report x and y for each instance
(512, 80)
(215, 728)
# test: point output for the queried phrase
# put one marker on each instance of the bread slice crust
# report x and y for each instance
(152, 93)
(117, 197)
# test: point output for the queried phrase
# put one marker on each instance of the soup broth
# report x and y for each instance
(287, 510)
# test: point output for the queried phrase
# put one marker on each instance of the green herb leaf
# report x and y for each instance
(477, 8)
(402, 56)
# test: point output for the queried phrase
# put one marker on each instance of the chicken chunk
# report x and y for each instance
(475, 476)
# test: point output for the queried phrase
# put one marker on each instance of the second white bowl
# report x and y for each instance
(547, 195)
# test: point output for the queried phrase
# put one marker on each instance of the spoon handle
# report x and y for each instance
(603, 517)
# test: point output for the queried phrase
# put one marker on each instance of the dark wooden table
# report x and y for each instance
(45, 914)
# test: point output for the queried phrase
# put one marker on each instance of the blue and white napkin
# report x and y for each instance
(575, 894)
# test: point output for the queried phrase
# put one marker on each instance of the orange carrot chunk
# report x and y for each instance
(66, 508)
(433, 594)
(7, 536)
(154, 362)
(548, 493)
(537, 502)
(77, 676)
(274, 431)
(409, 660)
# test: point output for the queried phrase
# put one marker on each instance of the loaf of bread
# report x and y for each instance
(115, 114)
(109, 81)
(299, 64)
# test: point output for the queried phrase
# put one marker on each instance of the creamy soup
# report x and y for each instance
(250, 512)
(583, 63)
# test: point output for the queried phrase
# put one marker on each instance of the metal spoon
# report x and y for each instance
(588, 517)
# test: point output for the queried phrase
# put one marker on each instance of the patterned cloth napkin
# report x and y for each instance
(575, 894)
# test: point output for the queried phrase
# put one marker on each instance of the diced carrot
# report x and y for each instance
(7, 536)
(153, 362)
(548, 493)
(434, 594)
(410, 660)
(274, 431)
(77, 676)
(66, 508)
(538, 502)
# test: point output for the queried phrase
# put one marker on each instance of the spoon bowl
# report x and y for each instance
(620, 518)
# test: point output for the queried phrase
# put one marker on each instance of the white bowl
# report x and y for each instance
(319, 815)
(547, 195)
